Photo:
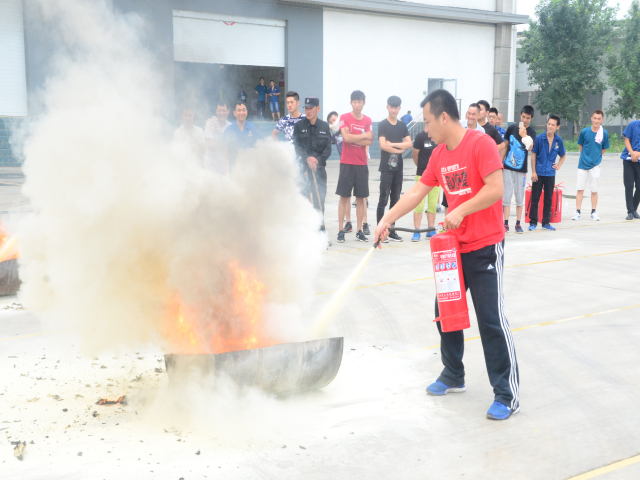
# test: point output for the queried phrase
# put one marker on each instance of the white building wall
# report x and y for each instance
(385, 55)
(473, 4)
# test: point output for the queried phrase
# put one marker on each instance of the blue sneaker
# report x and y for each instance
(498, 411)
(430, 234)
(549, 227)
(439, 388)
(532, 228)
(416, 237)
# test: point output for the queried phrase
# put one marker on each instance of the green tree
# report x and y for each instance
(564, 50)
(623, 67)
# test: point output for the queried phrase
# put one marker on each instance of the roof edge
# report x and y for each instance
(408, 9)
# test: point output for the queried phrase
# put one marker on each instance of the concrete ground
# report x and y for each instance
(572, 300)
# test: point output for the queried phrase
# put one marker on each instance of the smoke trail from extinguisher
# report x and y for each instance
(333, 308)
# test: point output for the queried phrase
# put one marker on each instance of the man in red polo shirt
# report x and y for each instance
(467, 165)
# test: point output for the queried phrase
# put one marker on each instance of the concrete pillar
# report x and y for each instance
(502, 61)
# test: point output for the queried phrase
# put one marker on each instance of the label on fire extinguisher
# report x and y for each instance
(445, 268)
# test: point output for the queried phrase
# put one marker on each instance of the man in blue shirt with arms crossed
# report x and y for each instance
(631, 165)
(592, 144)
(547, 148)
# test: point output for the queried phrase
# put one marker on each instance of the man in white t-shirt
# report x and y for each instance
(190, 137)
(214, 158)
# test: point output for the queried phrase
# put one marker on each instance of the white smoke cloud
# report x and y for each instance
(122, 222)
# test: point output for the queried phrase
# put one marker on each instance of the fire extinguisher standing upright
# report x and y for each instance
(450, 287)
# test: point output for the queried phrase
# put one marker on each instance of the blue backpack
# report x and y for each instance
(515, 157)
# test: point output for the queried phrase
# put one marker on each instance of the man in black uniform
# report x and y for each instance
(312, 141)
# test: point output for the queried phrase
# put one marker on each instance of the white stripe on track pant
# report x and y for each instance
(483, 276)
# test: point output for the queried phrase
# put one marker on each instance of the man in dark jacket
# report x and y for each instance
(312, 141)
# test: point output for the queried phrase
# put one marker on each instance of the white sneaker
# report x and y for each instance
(594, 216)
(576, 216)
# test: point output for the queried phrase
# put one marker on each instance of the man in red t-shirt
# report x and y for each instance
(357, 135)
(466, 164)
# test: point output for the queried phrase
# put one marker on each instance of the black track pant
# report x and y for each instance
(548, 182)
(631, 172)
(483, 277)
(390, 185)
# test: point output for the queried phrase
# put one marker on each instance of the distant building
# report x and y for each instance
(465, 46)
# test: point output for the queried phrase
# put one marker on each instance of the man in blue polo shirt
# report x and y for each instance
(240, 134)
(261, 91)
(547, 148)
(592, 144)
(631, 165)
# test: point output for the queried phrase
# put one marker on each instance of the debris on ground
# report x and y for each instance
(18, 451)
(13, 306)
(34, 399)
(137, 379)
(55, 397)
(109, 401)
(159, 370)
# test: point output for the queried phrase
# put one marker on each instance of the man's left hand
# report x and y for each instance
(453, 219)
(313, 163)
(556, 166)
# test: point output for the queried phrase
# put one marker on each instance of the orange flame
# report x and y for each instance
(8, 246)
(235, 321)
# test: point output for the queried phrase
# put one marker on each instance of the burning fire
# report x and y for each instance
(112, 401)
(8, 246)
(234, 324)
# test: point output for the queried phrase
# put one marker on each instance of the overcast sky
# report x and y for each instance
(528, 7)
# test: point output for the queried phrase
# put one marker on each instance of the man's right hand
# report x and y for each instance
(382, 232)
(522, 132)
(635, 156)
(534, 177)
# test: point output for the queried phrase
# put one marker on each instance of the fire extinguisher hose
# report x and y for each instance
(409, 230)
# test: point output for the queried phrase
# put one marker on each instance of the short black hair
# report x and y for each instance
(331, 114)
(441, 101)
(556, 118)
(239, 102)
(409, 111)
(261, 78)
(484, 103)
(475, 105)
(528, 109)
(493, 110)
(358, 95)
(292, 94)
(272, 81)
(222, 103)
(394, 101)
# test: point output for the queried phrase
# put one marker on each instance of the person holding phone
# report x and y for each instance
(519, 139)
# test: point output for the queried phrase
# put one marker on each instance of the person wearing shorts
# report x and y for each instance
(353, 179)
(274, 97)
(592, 143)
(519, 139)
(423, 146)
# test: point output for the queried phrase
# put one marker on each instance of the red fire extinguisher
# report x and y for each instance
(450, 288)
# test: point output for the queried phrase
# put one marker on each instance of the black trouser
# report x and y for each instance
(390, 185)
(482, 271)
(631, 173)
(261, 109)
(548, 182)
(321, 181)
